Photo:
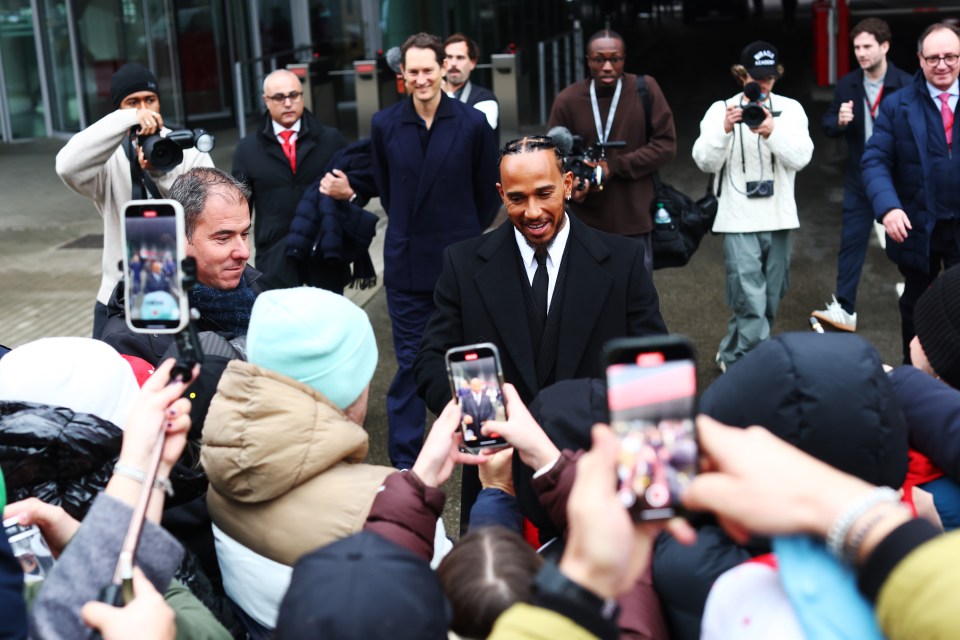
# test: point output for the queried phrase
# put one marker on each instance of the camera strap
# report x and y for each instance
(603, 133)
(143, 186)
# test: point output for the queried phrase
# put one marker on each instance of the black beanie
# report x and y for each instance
(936, 319)
(131, 78)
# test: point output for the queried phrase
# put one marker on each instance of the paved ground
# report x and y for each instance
(48, 289)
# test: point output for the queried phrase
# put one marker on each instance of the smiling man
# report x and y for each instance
(856, 105)
(548, 290)
(217, 225)
(910, 171)
(609, 106)
(435, 164)
(288, 152)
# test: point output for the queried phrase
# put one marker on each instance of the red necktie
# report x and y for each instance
(290, 148)
(947, 116)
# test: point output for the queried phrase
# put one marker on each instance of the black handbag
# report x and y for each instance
(675, 244)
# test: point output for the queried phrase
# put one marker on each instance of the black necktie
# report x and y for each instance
(540, 281)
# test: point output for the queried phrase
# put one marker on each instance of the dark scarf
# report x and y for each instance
(228, 310)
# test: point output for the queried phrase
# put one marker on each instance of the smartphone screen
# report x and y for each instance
(651, 392)
(153, 249)
(475, 378)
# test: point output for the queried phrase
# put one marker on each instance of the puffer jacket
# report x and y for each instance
(285, 465)
(825, 394)
(55, 454)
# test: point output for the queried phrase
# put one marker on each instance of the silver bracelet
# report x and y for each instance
(163, 484)
(840, 529)
(851, 549)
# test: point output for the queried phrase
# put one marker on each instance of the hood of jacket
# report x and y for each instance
(826, 394)
(266, 434)
(56, 454)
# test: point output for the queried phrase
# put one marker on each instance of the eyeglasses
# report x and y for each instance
(600, 60)
(279, 98)
(950, 59)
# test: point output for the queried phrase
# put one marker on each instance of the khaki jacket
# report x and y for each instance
(285, 465)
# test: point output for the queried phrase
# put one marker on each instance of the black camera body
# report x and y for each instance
(166, 152)
(576, 161)
(760, 189)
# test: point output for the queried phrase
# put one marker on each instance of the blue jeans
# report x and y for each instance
(406, 412)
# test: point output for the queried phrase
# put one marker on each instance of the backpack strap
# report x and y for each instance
(647, 103)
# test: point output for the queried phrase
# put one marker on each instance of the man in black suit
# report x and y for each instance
(545, 288)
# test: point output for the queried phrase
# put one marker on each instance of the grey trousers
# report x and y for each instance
(758, 276)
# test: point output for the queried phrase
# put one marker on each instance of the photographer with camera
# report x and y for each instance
(609, 107)
(98, 163)
(756, 141)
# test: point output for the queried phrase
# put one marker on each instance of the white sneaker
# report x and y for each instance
(836, 317)
(721, 364)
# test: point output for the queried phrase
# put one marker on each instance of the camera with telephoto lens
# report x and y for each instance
(166, 152)
(753, 112)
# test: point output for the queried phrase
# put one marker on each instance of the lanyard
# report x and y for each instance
(604, 133)
(876, 104)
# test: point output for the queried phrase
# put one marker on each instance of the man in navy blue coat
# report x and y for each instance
(910, 171)
(855, 107)
(435, 165)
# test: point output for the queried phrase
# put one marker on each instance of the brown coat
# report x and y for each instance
(623, 206)
(285, 465)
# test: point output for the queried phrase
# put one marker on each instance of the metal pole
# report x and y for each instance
(555, 52)
(542, 77)
(241, 110)
(578, 50)
(832, 43)
(567, 62)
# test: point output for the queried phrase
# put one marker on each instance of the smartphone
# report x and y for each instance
(651, 393)
(476, 380)
(154, 245)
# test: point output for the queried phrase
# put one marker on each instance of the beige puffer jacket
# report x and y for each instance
(285, 465)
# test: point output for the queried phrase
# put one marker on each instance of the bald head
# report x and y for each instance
(283, 97)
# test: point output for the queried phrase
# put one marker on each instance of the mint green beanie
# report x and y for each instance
(314, 336)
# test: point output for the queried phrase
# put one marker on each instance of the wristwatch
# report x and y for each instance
(353, 197)
(551, 582)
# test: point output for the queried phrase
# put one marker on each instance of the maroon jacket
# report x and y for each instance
(405, 512)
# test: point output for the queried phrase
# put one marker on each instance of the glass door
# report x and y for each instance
(21, 93)
(61, 67)
(202, 45)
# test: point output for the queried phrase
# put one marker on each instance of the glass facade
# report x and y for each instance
(210, 56)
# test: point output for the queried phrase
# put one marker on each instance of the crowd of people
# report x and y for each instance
(235, 498)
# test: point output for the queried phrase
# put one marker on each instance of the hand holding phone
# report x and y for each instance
(441, 450)
(154, 245)
(476, 381)
(523, 433)
(651, 389)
